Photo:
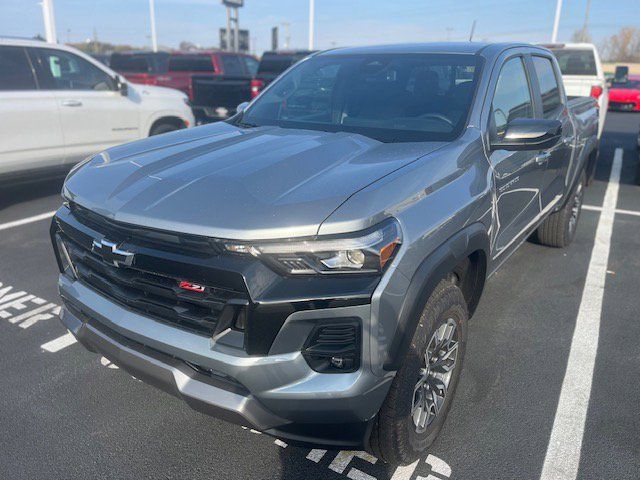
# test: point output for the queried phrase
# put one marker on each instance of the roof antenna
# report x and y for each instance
(473, 29)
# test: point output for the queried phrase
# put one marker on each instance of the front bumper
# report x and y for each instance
(624, 106)
(277, 393)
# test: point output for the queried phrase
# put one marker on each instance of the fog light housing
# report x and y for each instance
(334, 347)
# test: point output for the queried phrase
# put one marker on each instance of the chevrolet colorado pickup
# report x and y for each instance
(308, 268)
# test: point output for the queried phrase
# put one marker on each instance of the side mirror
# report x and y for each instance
(122, 86)
(529, 134)
(242, 107)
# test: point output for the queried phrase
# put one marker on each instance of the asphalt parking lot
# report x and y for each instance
(67, 413)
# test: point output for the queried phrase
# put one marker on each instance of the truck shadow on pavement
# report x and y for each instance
(24, 192)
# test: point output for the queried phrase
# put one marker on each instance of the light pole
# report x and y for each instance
(311, 23)
(152, 15)
(49, 21)
(556, 22)
(287, 35)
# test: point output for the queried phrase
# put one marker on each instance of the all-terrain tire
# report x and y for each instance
(559, 229)
(395, 438)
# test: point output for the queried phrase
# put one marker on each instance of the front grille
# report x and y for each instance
(622, 105)
(152, 238)
(150, 293)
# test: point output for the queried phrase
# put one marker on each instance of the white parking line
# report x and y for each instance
(563, 453)
(59, 343)
(24, 221)
(622, 211)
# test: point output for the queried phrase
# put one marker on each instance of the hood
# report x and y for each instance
(624, 95)
(244, 184)
(154, 91)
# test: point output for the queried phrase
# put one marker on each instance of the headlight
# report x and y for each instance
(368, 251)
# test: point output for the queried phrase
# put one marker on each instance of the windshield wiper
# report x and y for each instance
(246, 125)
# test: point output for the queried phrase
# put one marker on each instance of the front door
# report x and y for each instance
(517, 174)
(93, 113)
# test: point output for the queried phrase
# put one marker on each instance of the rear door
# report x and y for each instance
(30, 129)
(93, 113)
(550, 99)
(517, 174)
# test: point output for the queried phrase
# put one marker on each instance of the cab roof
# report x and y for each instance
(470, 48)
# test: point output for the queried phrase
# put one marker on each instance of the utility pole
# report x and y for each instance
(311, 24)
(152, 15)
(556, 22)
(232, 18)
(585, 27)
(49, 21)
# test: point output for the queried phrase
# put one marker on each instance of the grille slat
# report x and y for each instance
(156, 295)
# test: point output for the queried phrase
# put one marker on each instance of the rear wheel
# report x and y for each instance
(415, 409)
(559, 228)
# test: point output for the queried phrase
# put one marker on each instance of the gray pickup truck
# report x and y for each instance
(308, 267)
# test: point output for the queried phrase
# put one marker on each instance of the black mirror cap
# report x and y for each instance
(529, 134)
(122, 86)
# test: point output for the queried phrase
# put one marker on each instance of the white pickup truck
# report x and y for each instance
(582, 74)
(58, 106)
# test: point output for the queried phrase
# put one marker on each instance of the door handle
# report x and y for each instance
(71, 103)
(568, 140)
(542, 158)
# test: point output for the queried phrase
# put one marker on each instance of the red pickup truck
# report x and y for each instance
(178, 68)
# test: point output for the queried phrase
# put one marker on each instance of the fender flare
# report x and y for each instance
(431, 271)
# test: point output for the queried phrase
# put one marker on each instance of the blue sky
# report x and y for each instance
(338, 22)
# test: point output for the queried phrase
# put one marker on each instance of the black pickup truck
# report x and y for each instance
(216, 97)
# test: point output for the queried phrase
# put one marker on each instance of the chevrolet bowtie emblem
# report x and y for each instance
(110, 253)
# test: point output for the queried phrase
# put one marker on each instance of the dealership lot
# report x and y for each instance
(67, 413)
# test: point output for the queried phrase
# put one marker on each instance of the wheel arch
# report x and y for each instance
(465, 255)
(173, 120)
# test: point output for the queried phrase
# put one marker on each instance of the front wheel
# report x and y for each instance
(420, 396)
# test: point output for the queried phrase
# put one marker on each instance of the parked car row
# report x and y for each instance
(215, 81)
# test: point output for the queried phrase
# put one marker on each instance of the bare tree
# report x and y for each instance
(623, 46)
(187, 46)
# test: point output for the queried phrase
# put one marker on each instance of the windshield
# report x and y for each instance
(130, 63)
(191, 63)
(576, 62)
(418, 97)
(142, 63)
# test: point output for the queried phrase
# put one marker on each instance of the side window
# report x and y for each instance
(549, 89)
(66, 71)
(251, 64)
(15, 70)
(231, 65)
(512, 98)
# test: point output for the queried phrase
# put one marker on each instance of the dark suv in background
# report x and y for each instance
(140, 66)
